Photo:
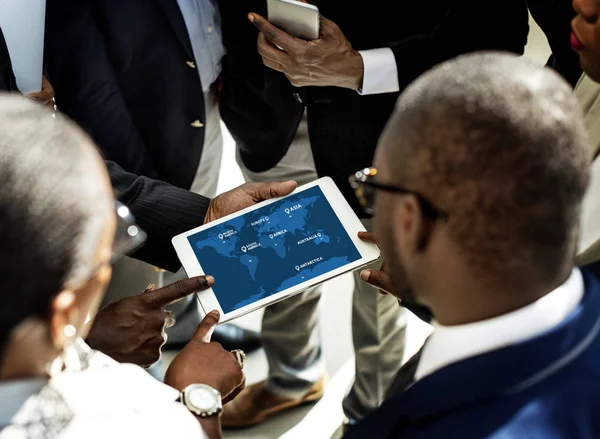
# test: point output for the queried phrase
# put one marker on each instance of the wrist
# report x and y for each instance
(211, 426)
(355, 71)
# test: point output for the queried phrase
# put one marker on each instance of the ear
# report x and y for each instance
(63, 312)
(413, 225)
(72, 307)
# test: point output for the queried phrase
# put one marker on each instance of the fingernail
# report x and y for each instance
(365, 275)
(251, 18)
(215, 313)
(150, 287)
(209, 279)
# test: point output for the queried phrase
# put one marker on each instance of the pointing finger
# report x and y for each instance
(206, 327)
(178, 290)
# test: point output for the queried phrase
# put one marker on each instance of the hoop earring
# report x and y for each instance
(73, 357)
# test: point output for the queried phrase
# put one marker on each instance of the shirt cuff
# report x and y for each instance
(380, 72)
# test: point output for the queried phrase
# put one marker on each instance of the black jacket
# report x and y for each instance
(161, 209)
(120, 69)
(262, 110)
(554, 18)
(7, 78)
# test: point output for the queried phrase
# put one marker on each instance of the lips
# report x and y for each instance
(575, 43)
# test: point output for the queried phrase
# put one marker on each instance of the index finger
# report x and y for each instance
(274, 34)
(206, 327)
(368, 237)
(178, 290)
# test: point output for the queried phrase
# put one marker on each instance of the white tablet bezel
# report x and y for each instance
(351, 223)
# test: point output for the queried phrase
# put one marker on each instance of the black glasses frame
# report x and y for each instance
(365, 178)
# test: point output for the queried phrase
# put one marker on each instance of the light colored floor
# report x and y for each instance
(321, 421)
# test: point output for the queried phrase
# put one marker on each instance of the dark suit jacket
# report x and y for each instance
(547, 387)
(161, 209)
(554, 18)
(7, 78)
(262, 110)
(119, 69)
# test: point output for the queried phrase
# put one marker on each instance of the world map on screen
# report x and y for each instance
(273, 248)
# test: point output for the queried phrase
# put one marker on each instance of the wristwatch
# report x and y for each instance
(201, 400)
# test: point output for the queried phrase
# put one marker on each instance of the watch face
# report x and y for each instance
(202, 399)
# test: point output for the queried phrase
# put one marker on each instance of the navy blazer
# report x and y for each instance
(124, 71)
(547, 387)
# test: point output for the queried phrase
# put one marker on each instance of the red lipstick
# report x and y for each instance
(575, 43)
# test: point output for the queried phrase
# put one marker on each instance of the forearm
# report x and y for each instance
(161, 210)
(211, 426)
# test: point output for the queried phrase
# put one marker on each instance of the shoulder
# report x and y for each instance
(122, 400)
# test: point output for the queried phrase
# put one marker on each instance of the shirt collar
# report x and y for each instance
(14, 394)
(451, 344)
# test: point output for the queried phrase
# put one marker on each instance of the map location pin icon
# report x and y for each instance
(271, 236)
(244, 249)
(319, 234)
(297, 268)
(220, 236)
(287, 211)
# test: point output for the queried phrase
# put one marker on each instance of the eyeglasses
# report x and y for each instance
(128, 235)
(365, 188)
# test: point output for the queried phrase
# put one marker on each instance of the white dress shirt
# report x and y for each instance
(203, 23)
(380, 71)
(106, 400)
(451, 344)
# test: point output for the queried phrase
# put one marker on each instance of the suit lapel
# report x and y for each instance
(173, 14)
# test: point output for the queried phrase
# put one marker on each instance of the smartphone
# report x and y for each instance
(275, 249)
(298, 19)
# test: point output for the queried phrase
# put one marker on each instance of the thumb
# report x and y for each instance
(206, 327)
(178, 290)
(368, 237)
(265, 191)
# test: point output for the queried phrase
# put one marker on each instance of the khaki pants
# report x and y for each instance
(290, 329)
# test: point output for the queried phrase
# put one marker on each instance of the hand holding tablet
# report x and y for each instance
(275, 249)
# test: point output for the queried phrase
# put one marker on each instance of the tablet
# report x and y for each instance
(275, 249)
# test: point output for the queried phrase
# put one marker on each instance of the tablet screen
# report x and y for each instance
(273, 248)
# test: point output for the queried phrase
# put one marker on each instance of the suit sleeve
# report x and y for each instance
(466, 27)
(7, 78)
(161, 210)
(86, 89)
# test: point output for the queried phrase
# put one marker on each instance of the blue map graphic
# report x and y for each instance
(273, 248)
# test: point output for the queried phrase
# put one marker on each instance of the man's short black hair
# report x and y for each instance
(500, 145)
(53, 208)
